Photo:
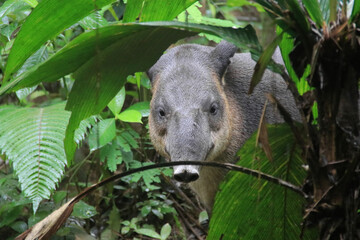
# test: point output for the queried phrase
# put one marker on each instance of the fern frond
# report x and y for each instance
(32, 138)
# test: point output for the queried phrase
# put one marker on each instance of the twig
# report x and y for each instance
(189, 225)
(182, 194)
(177, 205)
(317, 203)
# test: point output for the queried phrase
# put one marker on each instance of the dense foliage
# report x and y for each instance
(73, 71)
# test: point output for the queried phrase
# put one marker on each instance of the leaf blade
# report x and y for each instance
(313, 8)
(268, 211)
(49, 11)
(263, 62)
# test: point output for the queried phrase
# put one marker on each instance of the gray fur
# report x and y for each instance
(189, 82)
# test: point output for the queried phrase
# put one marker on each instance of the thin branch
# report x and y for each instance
(227, 166)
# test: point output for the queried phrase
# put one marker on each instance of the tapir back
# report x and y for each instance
(238, 78)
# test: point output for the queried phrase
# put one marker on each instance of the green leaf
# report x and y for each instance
(59, 196)
(165, 231)
(333, 6)
(325, 10)
(355, 10)
(23, 93)
(298, 14)
(239, 3)
(32, 138)
(38, 57)
(130, 116)
(8, 30)
(76, 53)
(125, 230)
(142, 107)
(263, 62)
(123, 143)
(203, 216)
(85, 125)
(267, 210)
(149, 176)
(32, 3)
(93, 21)
(83, 210)
(132, 11)
(113, 154)
(191, 14)
(114, 223)
(129, 138)
(102, 133)
(145, 210)
(101, 73)
(148, 232)
(313, 8)
(19, 226)
(116, 104)
(160, 10)
(8, 217)
(12, 6)
(286, 46)
(58, 16)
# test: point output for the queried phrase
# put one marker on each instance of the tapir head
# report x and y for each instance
(190, 119)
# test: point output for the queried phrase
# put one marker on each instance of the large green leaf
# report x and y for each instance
(82, 49)
(48, 19)
(116, 104)
(247, 207)
(32, 138)
(160, 10)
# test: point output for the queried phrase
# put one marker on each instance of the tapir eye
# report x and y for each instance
(161, 112)
(214, 109)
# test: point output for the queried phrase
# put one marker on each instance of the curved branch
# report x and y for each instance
(227, 166)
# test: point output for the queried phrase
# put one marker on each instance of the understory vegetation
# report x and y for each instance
(75, 99)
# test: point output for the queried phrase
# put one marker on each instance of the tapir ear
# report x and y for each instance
(152, 72)
(221, 56)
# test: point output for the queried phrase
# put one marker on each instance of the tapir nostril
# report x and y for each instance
(186, 176)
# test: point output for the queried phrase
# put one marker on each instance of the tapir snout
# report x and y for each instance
(188, 139)
(186, 173)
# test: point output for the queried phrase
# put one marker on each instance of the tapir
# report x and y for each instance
(201, 110)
